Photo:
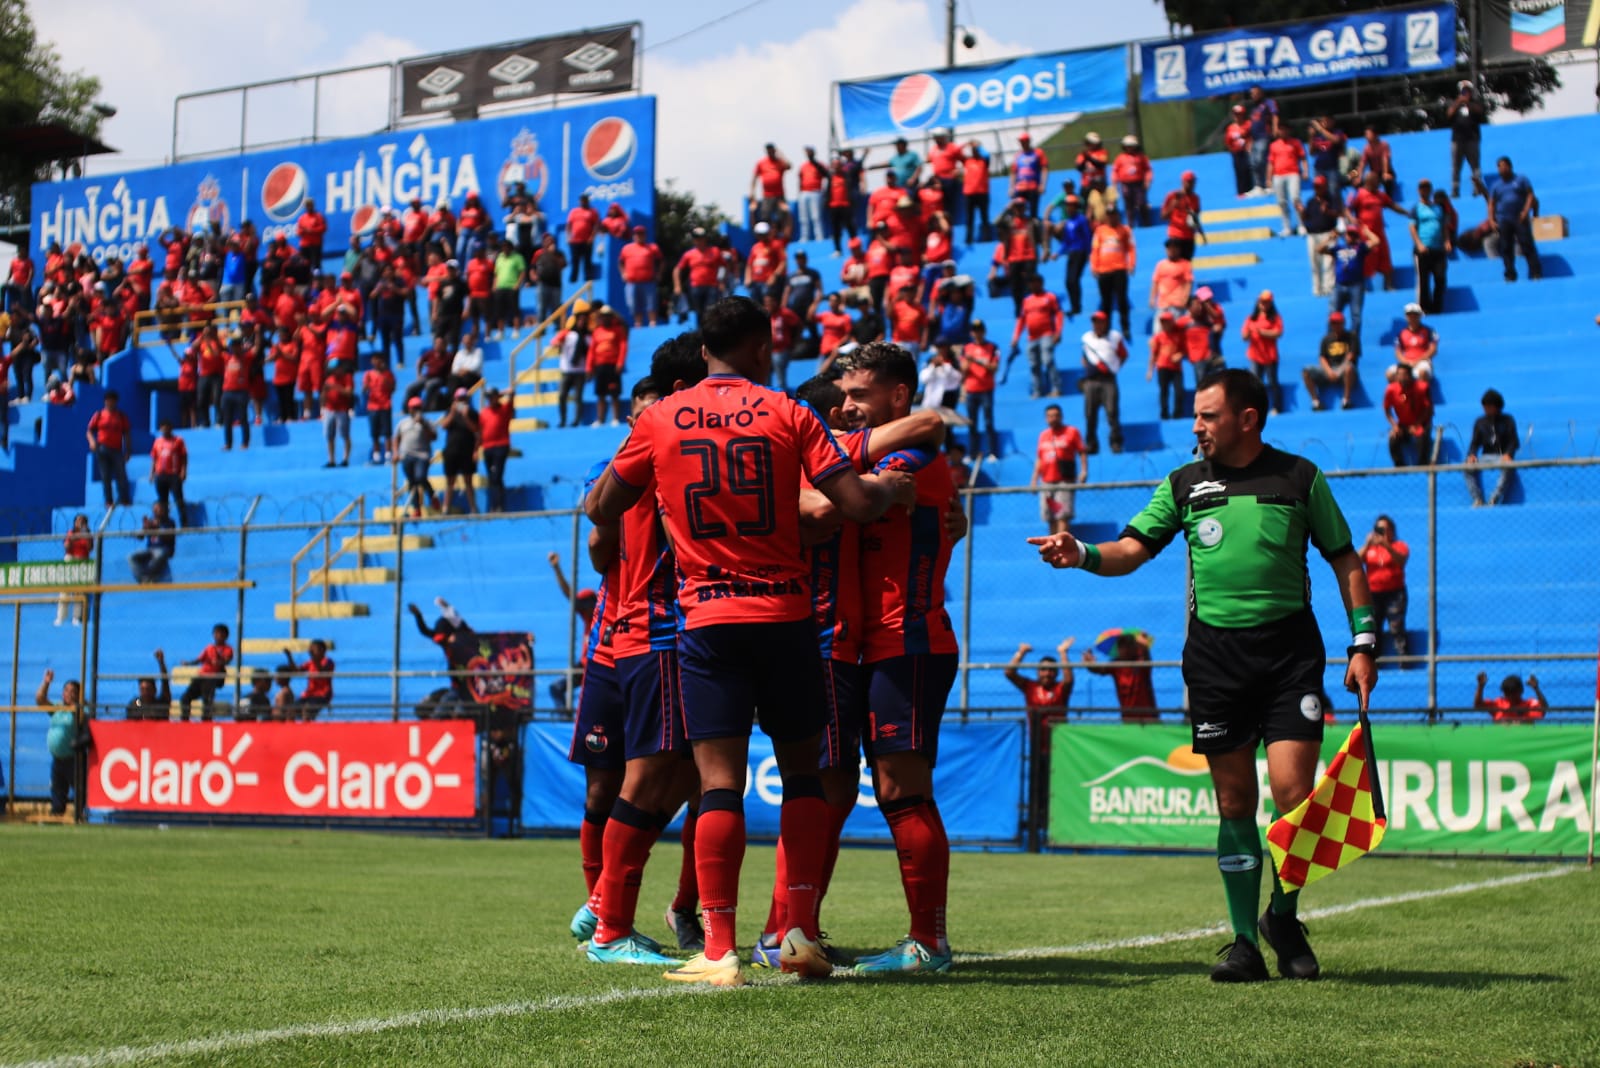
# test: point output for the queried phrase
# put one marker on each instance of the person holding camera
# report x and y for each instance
(1385, 557)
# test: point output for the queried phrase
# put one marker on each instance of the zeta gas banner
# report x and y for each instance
(1027, 87)
(1523, 28)
(1373, 44)
(388, 770)
(607, 150)
(978, 782)
(1490, 789)
(596, 61)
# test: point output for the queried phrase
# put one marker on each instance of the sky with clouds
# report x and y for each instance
(760, 74)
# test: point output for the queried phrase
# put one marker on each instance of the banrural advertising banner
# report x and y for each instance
(1372, 44)
(606, 149)
(387, 770)
(984, 94)
(978, 782)
(1492, 789)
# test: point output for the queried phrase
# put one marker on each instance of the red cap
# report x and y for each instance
(1168, 317)
(1025, 139)
(855, 242)
(1187, 176)
(1320, 181)
(414, 402)
(1336, 317)
(586, 594)
(1101, 315)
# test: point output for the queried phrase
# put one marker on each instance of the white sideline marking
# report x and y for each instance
(231, 1041)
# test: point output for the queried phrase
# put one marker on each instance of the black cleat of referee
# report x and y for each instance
(1241, 963)
(1287, 935)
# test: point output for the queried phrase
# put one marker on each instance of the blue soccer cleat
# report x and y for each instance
(686, 928)
(583, 923)
(908, 955)
(766, 954)
(629, 950)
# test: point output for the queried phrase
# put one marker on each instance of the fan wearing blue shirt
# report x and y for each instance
(1511, 211)
(1074, 238)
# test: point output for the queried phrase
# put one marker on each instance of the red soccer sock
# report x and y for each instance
(688, 894)
(718, 856)
(591, 833)
(780, 895)
(836, 818)
(803, 835)
(924, 851)
(629, 835)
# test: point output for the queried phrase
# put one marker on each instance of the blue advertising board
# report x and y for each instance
(1027, 87)
(978, 782)
(604, 149)
(1372, 44)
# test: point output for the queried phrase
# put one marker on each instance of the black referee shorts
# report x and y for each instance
(1254, 684)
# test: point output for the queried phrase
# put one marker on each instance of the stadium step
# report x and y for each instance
(1231, 259)
(354, 576)
(478, 482)
(528, 426)
(1228, 215)
(183, 674)
(276, 646)
(542, 399)
(391, 515)
(319, 610)
(539, 376)
(1245, 233)
(388, 543)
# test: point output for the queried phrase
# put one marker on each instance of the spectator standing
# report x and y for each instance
(480, 290)
(836, 325)
(1060, 462)
(1047, 695)
(802, 292)
(1132, 172)
(460, 427)
(78, 547)
(210, 359)
(1172, 281)
(979, 362)
(608, 358)
(318, 670)
(1494, 433)
(640, 261)
(1349, 251)
(1092, 163)
(1261, 113)
(1416, 345)
(767, 201)
(1286, 161)
(152, 703)
(338, 400)
(1130, 672)
(1319, 218)
(767, 263)
(1510, 706)
(1385, 557)
(548, 263)
(160, 544)
(843, 174)
(975, 190)
(812, 178)
(1377, 158)
(1019, 249)
(213, 664)
(61, 739)
(1367, 208)
(1326, 145)
(940, 379)
(236, 395)
(24, 356)
(1166, 365)
(908, 323)
(905, 165)
(412, 449)
(494, 426)
(695, 277)
(1511, 210)
(510, 275)
(285, 372)
(1112, 258)
(1432, 246)
(1335, 366)
(1236, 139)
(1030, 170)
(169, 467)
(1409, 410)
(311, 228)
(1075, 240)
(449, 304)
(19, 287)
(944, 160)
(1467, 118)
(111, 439)
(377, 385)
(1104, 352)
(582, 223)
(572, 348)
(1261, 332)
(1181, 210)
(1042, 318)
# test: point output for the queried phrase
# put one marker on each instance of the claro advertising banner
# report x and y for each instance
(387, 770)
(978, 782)
(1492, 789)
(1027, 87)
(1372, 44)
(606, 149)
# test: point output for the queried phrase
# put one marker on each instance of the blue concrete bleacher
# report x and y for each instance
(1515, 579)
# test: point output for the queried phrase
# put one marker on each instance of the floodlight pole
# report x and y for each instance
(949, 33)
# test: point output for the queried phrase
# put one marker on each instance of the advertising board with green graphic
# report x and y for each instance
(1491, 789)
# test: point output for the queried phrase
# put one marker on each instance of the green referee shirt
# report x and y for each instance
(1247, 530)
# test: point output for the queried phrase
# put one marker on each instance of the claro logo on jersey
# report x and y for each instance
(919, 100)
(607, 153)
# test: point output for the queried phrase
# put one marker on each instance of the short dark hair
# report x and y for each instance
(1048, 660)
(1503, 159)
(1048, 408)
(886, 360)
(1492, 396)
(677, 360)
(223, 627)
(643, 388)
(821, 393)
(731, 324)
(112, 394)
(1243, 390)
(1389, 519)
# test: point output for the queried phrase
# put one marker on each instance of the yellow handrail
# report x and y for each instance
(324, 535)
(556, 316)
(150, 320)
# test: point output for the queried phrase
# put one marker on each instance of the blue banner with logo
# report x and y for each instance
(607, 150)
(1374, 44)
(978, 782)
(1027, 87)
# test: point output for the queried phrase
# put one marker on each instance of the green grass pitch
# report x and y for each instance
(236, 947)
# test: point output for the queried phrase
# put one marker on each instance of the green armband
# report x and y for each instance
(1362, 621)
(1088, 557)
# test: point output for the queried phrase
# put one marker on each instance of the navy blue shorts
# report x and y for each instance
(844, 700)
(729, 670)
(597, 731)
(905, 702)
(654, 701)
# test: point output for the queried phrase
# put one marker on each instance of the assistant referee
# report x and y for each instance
(1254, 658)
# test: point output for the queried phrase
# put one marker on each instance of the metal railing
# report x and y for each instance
(182, 319)
(322, 575)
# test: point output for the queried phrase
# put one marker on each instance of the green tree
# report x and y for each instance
(677, 214)
(34, 89)
(1412, 102)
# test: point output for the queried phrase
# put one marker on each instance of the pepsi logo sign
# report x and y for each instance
(284, 191)
(364, 220)
(608, 149)
(916, 101)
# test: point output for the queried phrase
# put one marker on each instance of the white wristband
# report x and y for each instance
(1083, 554)
(1364, 639)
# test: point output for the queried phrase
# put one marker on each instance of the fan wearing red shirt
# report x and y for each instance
(378, 386)
(1367, 207)
(837, 326)
(311, 228)
(841, 201)
(767, 202)
(480, 286)
(1132, 173)
(727, 456)
(338, 400)
(213, 662)
(945, 159)
(766, 265)
(980, 359)
(1385, 557)
(1167, 349)
(1409, 409)
(318, 670)
(910, 655)
(1130, 673)
(1181, 210)
(77, 547)
(813, 177)
(1286, 164)
(908, 322)
(1511, 706)
(235, 394)
(110, 438)
(1236, 139)
(188, 387)
(141, 273)
(109, 325)
(313, 362)
(494, 439)
(582, 223)
(1061, 460)
(608, 357)
(285, 372)
(697, 273)
(1045, 697)
(169, 466)
(786, 324)
(640, 261)
(975, 188)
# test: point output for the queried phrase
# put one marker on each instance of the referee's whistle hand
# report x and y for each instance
(1057, 550)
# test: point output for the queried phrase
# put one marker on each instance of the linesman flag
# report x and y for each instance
(1342, 820)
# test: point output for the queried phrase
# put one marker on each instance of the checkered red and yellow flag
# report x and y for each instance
(1342, 820)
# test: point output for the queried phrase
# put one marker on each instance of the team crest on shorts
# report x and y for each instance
(596, 741)
(1208, 532)
(1311, 707)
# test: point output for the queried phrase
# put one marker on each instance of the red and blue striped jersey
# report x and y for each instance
(836, 575)
(904, 557)
(647, 598)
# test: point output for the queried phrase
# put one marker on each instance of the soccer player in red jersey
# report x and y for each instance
(910, 652)
(727, 457)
